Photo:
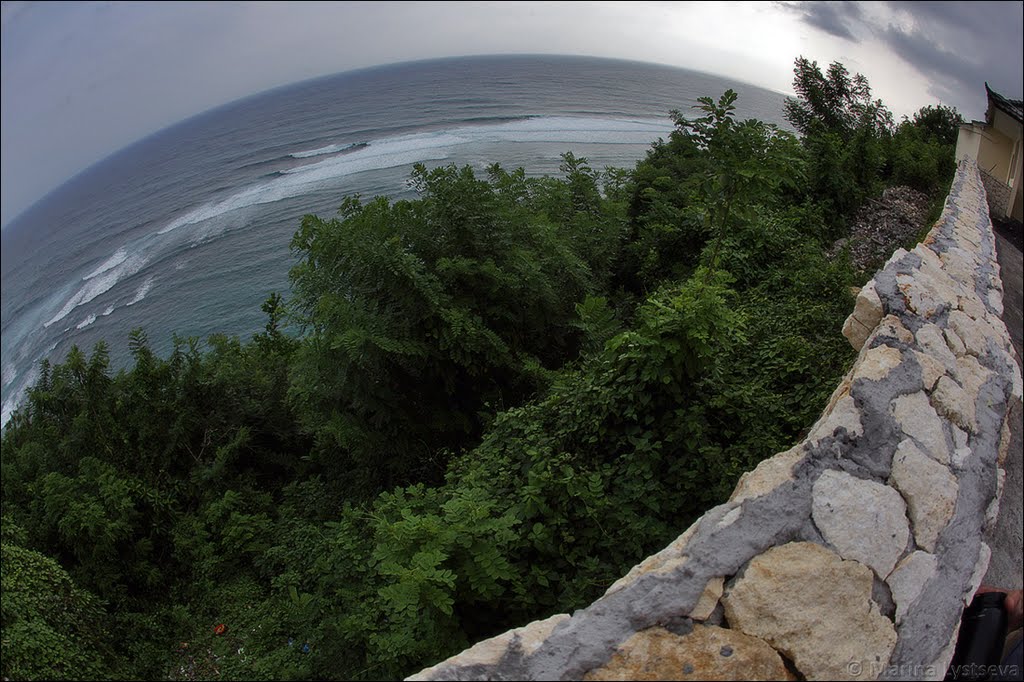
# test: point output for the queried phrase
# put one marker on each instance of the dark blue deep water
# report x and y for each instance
(187, 231)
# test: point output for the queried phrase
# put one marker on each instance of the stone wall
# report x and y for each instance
(998, 195)
(851, 555)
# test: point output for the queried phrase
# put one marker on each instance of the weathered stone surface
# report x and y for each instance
(960, 265)
(930, 261)
(995, 301)
(955, 404)
(930, 338)
(855, 332)
(922, 294)
(876, 363)
(984, 556)
(815, 608)
(929, 489)
(908, 579)
(706, 653)
(731, 517)
(1005, 436)
(971, 375)
(708, 599)
(958, 460)
(863, 520)
(843, 415)
(1017, 380)
(972, 306)
(867, 312)
(767, 476)
(969, 331)
(954, 343)
(891, 327)
(931, 369)
(992, 510)
(488, 652)
(918, 419)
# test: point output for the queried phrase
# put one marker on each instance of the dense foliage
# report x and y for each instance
(477, 408)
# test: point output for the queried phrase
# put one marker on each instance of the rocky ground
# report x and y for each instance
(882, 225)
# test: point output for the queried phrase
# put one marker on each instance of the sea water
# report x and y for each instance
(187, 231)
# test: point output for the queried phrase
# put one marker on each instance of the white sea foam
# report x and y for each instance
(141, 293)
(9, 373)
(86, 322)
(109, 310)
(403, 150)
(329, 149)
(100, 284)
(15, 397)
(120, 256)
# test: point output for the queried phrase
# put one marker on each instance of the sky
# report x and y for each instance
(79, 81)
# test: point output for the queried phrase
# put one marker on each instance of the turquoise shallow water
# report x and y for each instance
(187, 231)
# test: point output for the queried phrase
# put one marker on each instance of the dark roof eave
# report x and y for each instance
(1011, 107)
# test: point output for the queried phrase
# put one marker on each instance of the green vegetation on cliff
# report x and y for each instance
(477, 408)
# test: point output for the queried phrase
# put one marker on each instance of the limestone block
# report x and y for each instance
(1005, 436)
(930, 261)
(918, 419)
(815, 608)
(895, 258)
(995, 301)
(971, 332)
(876, 363)
(954, 343)
(971, 375)
(923, 295)
(931, 369)
(929, 489)
(488, 652)
(845, 414)
(961, 265)
(855, 332)
(767, 476)
(891, 327)
(992, 510)
(708, 599)
(972, 307)
(980, 568)
(867, 312)
(908, 579)
(959, 457)
(865, 521)
(1018, 380)
(959, 436)
(868, 307)
(932, 343)
(955, 404)
(708, 652)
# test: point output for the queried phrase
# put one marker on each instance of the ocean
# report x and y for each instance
(186, 232)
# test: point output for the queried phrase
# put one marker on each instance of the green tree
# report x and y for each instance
(423, 316)
(50, 629)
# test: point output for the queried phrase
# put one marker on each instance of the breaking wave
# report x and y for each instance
(401, 150)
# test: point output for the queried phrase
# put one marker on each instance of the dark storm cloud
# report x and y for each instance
(834, 18)
(958, 46)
